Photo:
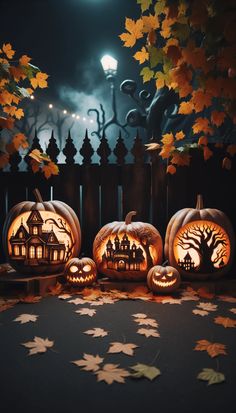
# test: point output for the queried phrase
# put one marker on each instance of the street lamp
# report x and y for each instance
(109, 65)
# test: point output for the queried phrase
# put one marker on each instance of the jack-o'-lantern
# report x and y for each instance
(200, 242)
(40, 237)
(127, 250)
(81, 271)
(162, 279)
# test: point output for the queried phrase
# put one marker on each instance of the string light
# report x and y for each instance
(65, 111)
(84, 119)
(50, 105)
(78, 117)
(32, 97)
(73, 115)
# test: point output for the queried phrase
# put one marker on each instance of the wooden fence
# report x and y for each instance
(103, 192)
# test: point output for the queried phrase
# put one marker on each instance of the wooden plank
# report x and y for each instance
(17, 184)
(109, 180)
(159, 194)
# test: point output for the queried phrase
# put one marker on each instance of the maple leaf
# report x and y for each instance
(4, 159)
(6, 97)
(134, 32)
(97, 332)
(200, 312)
(144, 4)
(56, 289)
(204, 293)
(162, 79)
(233, 310)
(168, 139)
(17, 73)
(40, 80)
(152, 146)
(227, 298)
(127, 348)
(143, 370)
(7, 49)
(181, 159)
(225, 321)
(89, 362)
(26, 318)
(174, 53)
(64, 296)
(171, 169)
(213, 349)
(217, 118)
(142, 55)
(202, 125)
(226, 163)
(50, 169)
(111, 372)
(231, 149)
(203, 140)
(35, 166)
(207, 153)
(155, 56)
(211, 376)
(86, 311)
(151, 332)
(179, 135)
(77, 301)
(171, 300)
(24, 60)
(207, 306)
(150, 23)
(146, 322)
(160, 6)
(38, 345)
(30, 299)
(139, 315)
(201, 99)
(108, 300)
(147, 74)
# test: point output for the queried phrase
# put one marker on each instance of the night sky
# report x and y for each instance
(66, 39)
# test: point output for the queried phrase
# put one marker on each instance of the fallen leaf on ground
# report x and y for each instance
(64, 296)
(31, 299)
(127, 348)
(110, 373)
(38, 345)
(77, 301)
(86, 311)
(26, 318)
(200, 312)
(207, 306)
(146, 322)
(204, 293)
(91, 293)
(89, 362)
(143, 370)
(55, 289)
(97, 332)
(139, 315)
(148, 332)
(213, 349)
(227, 298)
(108, 300)
(6, 304)
(119, 295)
(96, 303)
(225, 321)
(233, 310)
(211, 376)
(172, 301)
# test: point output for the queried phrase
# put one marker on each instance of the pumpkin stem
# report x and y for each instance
(165, 263)
(37, 195)
(129, 216)
(199, 204)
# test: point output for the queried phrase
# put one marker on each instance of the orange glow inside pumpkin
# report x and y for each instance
(123, 252)
(201, 246)
(40, 236)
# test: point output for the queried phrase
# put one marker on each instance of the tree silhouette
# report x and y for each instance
(209, 242)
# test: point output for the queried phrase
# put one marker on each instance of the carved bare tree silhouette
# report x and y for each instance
(61, 225)
(207, 241)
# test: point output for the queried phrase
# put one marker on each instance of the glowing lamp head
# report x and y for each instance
(109, 65)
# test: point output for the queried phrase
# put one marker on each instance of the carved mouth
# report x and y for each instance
(80, 280)
(164, 283)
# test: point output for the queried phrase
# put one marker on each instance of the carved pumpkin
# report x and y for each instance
(163, 279)
(200, 242)
(127, 250)
(81, 271)
(40, 237)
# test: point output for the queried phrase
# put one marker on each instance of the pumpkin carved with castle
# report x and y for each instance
(40, 237)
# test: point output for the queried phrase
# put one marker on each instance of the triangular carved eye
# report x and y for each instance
(170, 274)
(157, 273)
(73, 268)
(87, 268)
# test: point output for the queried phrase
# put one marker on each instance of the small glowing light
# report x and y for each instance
(65, 112)
(109, 63)
(91, 121)
(50, 105)
(73, 115)
(78, 117)
(84, 119)
(32, 97)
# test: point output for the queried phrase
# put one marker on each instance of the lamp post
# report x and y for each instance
(109, 65)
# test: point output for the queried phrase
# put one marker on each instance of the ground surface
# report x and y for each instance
(50, 383)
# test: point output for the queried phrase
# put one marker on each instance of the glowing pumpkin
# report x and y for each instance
(163, 279)
(40, 237)
(200, 242)
(81, 271)
(127, 250)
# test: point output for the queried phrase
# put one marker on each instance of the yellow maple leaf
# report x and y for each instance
(166, 27)
(7, 49)
(181, 159)
(19, 113)
(226, 163)
(40, 80)
(179, 135)
(203, 141)
(24, 60)
(3, 82)
(186, 108)
(147, 74)
(168, 139)
(141, 55)
(13, 111)
(20, 140)
(217, 118)
(171, 169)
(150, 23)
(201, 99)
(231, 149)
(144, 4)
(50, 169)
(202, 125)
(134, 32)
(207, 153)
(6, 97)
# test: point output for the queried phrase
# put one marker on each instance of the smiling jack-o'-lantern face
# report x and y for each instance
(163, 279)
(81, 271)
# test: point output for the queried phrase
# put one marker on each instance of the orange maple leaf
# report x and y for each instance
(50, 169)
(207, 153)
(202, 125)
(213, 349)
(204, 293)
(13, 111)
(6, 97)
(6, 123)
(174, 53)
(217, 118)
(166, 151)
(17, 73)
(179, 135)
(181, 159)
(195, 56)
(34, 165)
(186, 108)
(7, 49)
(20, 140)
(166, 27)
(168, 139)
(134, 32)
(201, 99)
(24, 60)
(203, 140)
(171, 169)
(3, 82)
(149, 23)
(225, 321)
(141, 55)
(40, 80)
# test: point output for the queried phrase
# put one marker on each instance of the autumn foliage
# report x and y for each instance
(18, 80)
(190, 47)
